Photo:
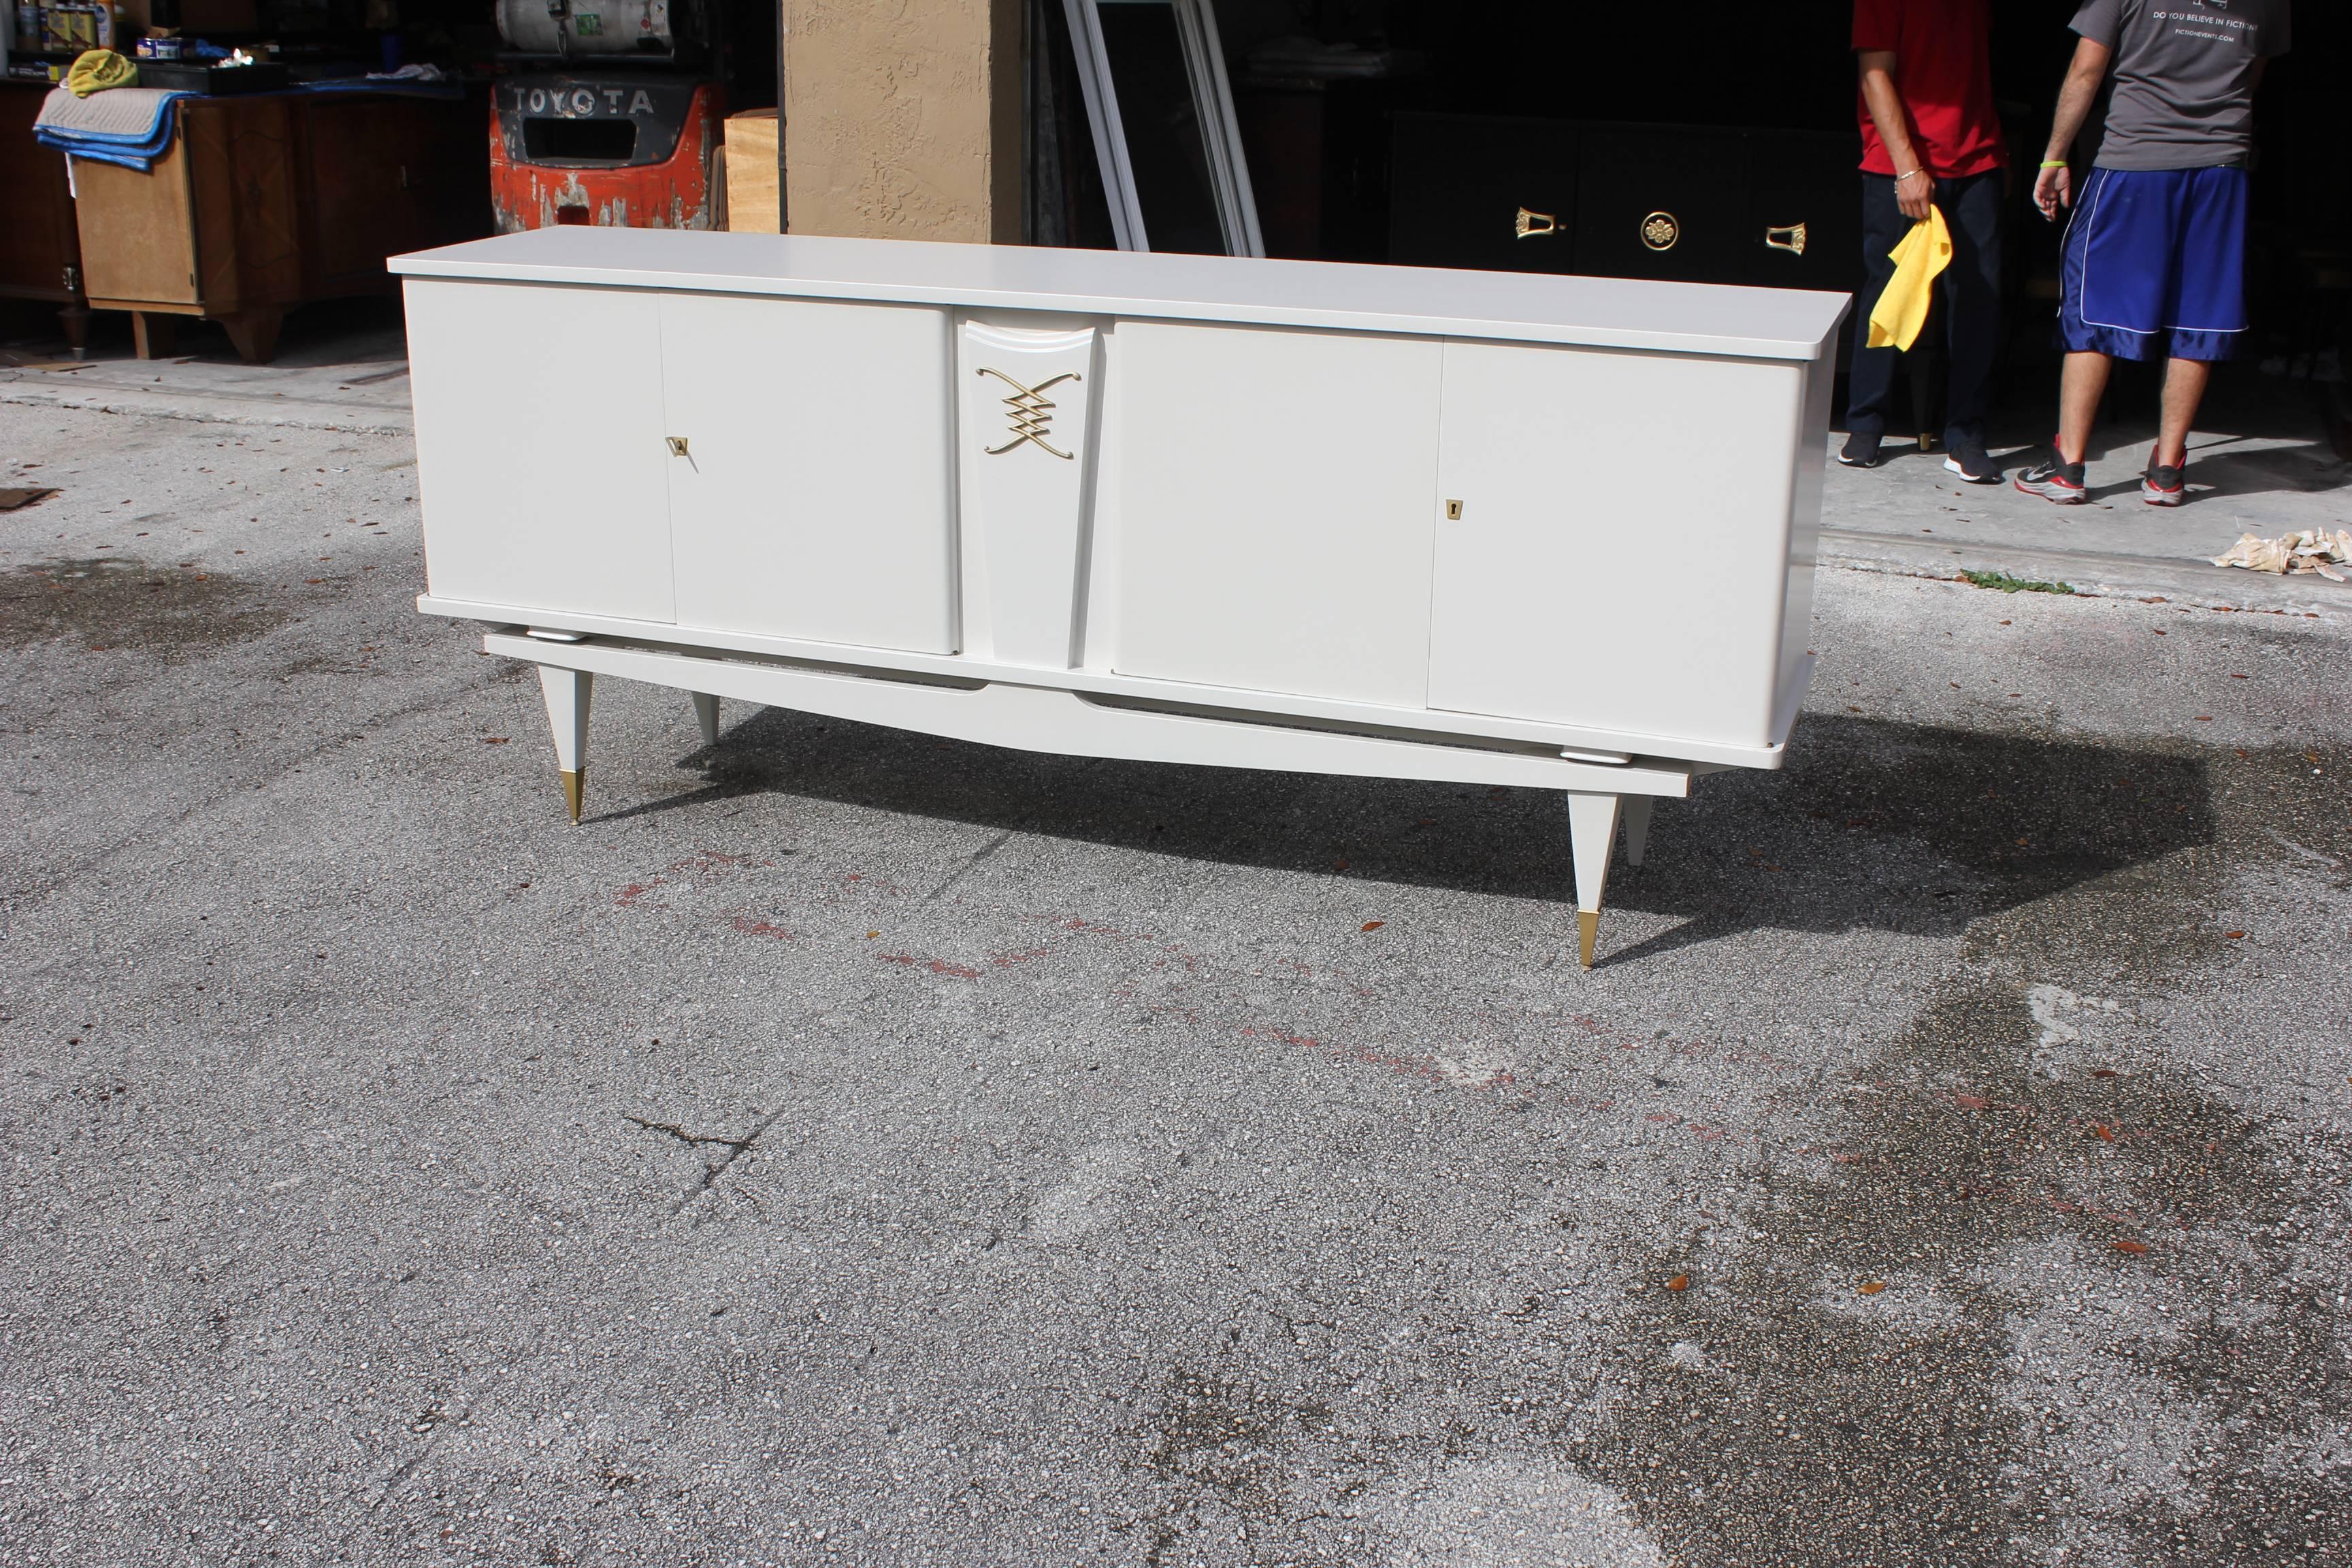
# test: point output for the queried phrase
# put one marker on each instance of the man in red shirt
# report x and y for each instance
(1929, 135)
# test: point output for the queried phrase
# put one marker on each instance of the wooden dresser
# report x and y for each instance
(267, 201)
(40, 253)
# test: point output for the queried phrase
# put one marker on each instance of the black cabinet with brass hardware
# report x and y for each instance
(1804, 210)
(1665, 202)
(1689, 204)
(1448, 175)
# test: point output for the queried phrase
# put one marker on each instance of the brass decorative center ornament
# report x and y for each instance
(1029, 414)
(1659, 231)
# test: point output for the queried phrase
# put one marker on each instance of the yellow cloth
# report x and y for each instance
(1902, 308)
(95, 71)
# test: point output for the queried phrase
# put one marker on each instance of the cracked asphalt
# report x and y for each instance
(848, 1147)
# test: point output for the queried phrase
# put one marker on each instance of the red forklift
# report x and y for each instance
(610, 111)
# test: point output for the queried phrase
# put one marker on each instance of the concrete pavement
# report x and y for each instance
(2264, 461)
(848, 1147)
(343, 366)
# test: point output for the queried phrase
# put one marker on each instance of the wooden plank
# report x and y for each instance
(751, 163)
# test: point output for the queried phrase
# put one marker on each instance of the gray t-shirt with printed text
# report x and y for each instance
(2183, 77)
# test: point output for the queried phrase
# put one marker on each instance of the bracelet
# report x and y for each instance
(1900, 178)
(2055, 164)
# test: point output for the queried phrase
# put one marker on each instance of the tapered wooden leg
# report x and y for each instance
(1593, 837)
(567, 693)
(154, 334)
(1637, 826)
(75, 321)
(254, 334)
(706, 713)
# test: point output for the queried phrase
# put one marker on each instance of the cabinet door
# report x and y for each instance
(1804, 193)
(814, 498)
(1461, 183)
(357, 186)
(37, 249)
(1663, 202)
(1623, 550)
(137, 232)
(1273, 502)
(538, 449)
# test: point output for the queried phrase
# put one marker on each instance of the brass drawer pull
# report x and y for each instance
(1659, 231)
(1789, 238)
(1532, 225)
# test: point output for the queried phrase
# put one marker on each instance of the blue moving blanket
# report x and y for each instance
(127, 125)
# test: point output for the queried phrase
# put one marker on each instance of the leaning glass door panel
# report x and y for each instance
(1162, 113)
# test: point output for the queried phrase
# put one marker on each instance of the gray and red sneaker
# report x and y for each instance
(2053, 479)
(2163, 485)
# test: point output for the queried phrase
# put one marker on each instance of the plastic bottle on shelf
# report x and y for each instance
(61, 24)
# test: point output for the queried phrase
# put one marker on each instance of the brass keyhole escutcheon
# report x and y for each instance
(1659, 231)
(1454, 512)
(676, 445)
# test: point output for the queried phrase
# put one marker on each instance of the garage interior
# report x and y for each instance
(1513, 134)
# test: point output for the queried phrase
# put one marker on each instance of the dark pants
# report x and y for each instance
(1967, 293)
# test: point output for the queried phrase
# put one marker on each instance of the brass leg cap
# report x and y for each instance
(1588, 931)
(571, 798)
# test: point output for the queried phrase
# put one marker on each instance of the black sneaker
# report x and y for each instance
(2163, 485)
(1860, 451)
(2053, 479)
(1969, 459)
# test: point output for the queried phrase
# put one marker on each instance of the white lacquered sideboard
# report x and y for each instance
(1383, 522)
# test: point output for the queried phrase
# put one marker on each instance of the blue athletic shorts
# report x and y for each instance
(2156, 264)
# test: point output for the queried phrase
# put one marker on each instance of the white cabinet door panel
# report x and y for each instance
(1028, 459)
(540, 458)
(1273, 508)
(1620, 561)
(815, 496)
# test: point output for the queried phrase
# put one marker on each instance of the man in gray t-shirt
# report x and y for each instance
(2155, 256)
(2184, 77)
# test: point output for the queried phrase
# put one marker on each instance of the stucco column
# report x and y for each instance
(902, 118)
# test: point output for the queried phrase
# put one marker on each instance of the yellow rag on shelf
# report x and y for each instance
(1902, 308)
(95, 71)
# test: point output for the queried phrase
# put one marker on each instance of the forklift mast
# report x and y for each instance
(672, 33)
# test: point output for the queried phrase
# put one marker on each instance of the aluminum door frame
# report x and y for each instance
(1212, 106)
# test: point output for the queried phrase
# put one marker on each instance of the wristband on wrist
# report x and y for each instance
(2054, 163)
(1900, 178)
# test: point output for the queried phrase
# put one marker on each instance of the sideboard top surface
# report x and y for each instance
(1592, 312)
